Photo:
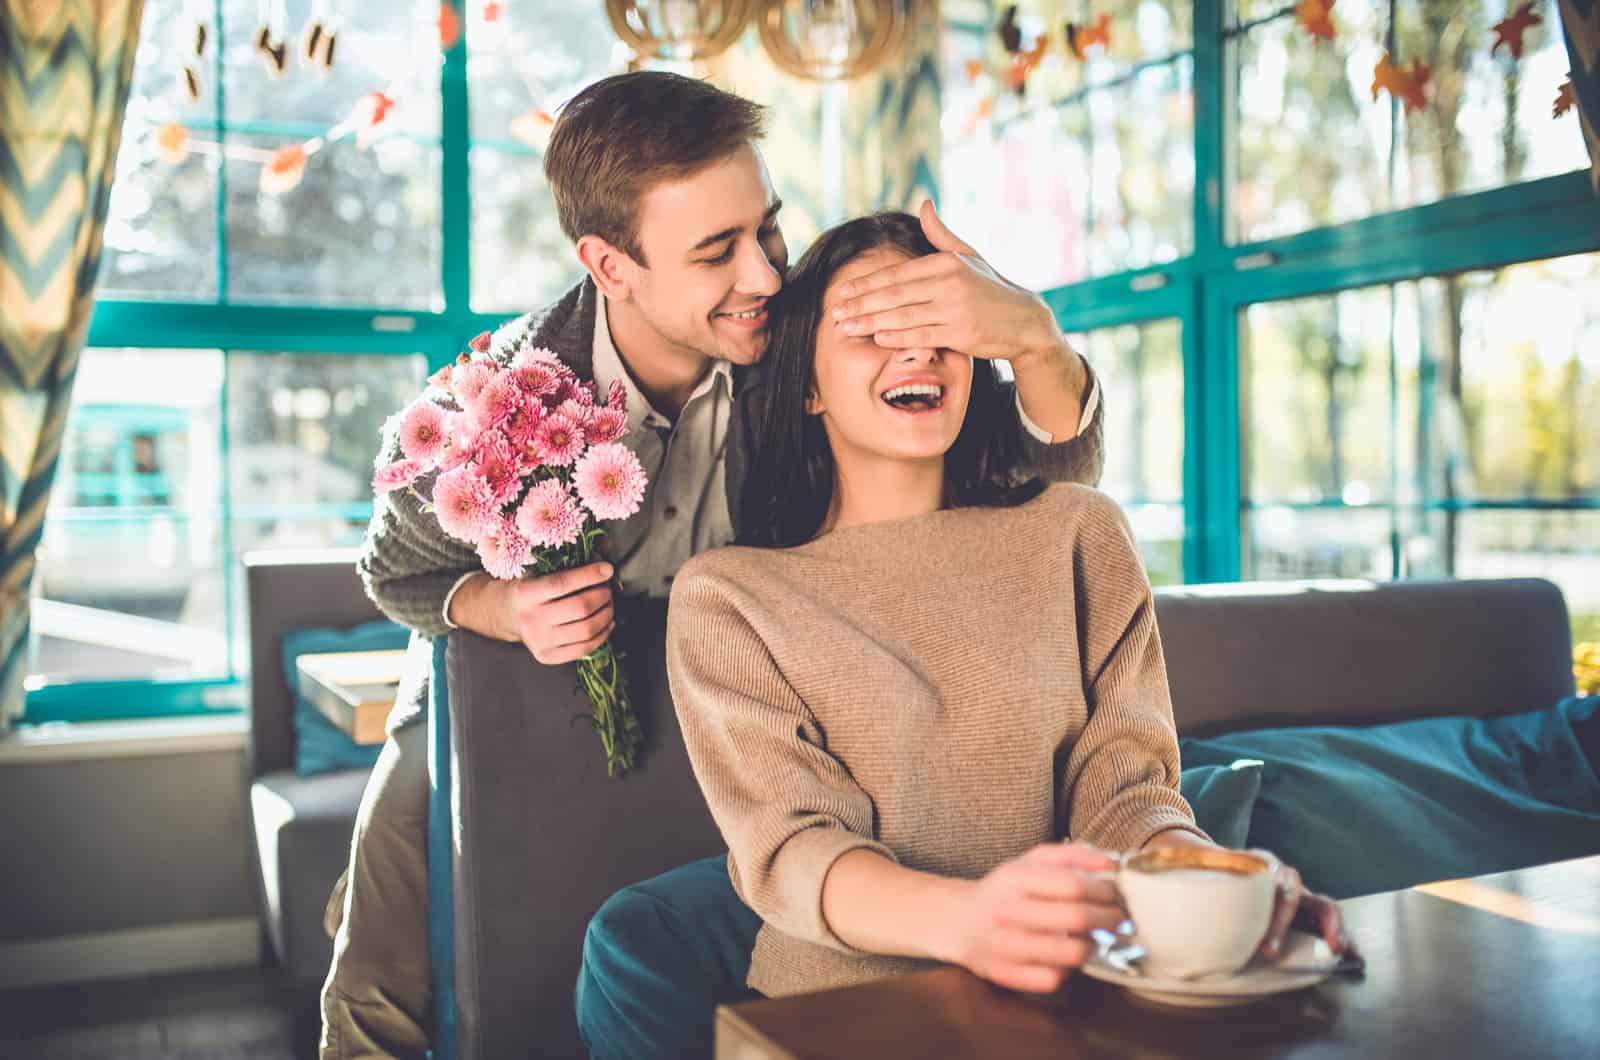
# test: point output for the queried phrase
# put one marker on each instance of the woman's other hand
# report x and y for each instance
(1295, 906)
(1028, 921)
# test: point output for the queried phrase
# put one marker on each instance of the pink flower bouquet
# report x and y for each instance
(527, 464)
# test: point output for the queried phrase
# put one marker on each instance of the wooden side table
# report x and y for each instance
(354, 689)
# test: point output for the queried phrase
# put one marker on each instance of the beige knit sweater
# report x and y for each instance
(948, 690)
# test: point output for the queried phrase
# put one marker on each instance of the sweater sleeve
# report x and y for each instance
(786, 807)
(408, 564)
(1079, 459)
(1119, 784)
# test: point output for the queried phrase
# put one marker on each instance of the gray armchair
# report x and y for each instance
(300, 826)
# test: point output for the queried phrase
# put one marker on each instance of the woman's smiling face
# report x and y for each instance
(875, 402)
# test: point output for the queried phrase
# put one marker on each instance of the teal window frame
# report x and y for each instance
(1206, 291)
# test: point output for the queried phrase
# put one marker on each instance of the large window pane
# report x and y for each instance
(1282, 542)
(534, 56)
(531, 59)
(1141, 375)
(1060, 192)
(392, 47)
(521, 260)
(1506, 398)
(1315, 403)
(130, 570)
(161, 231)
(1311, 147)
(1476, 396)
(1488, 120)
(303, 435)
(362, 227)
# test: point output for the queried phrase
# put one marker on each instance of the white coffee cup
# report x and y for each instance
(1198, 910)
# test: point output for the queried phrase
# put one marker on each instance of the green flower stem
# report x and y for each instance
(607, 687)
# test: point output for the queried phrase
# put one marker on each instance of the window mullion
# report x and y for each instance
(456, 211)
(221, 132)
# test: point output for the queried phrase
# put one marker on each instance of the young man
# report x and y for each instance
(660, 186)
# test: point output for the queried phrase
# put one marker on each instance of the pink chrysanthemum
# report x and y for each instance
(498, 399)
(504, 551)
(464, 504)
(537, 376)
(610, 481)
(558, 441)
(397, 475)
(441, 378)
(422, 434)
(549, 516)
(566, 391)
(461, 434)
(617, 395)
(606, 425)
(499, 466)
(468, 380)
(576, 411)
(523, 425)
(480, 342)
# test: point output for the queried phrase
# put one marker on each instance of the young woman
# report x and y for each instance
(926, 695)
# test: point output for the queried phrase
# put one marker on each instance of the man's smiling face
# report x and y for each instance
(713, 256)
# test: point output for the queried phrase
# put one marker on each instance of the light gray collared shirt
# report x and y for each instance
(685, 507)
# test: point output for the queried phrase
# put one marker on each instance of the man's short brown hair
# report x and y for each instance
(623, 134)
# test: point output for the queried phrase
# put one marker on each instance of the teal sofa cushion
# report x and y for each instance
(320, 745)
(1376, 809)
(1222, 798)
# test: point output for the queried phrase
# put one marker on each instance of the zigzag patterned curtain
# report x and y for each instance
(65, 67)
(1580, 22)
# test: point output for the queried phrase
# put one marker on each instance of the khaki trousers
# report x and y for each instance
(377, 1000)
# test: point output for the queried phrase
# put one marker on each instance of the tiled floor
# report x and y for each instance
(223, 1015)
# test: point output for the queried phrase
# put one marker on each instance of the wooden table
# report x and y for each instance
(1506, 965)
(353, 689)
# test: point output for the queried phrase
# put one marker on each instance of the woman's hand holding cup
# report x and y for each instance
(1029, 920)
(1294, 905)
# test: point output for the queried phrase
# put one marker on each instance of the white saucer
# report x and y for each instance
(1309, 955)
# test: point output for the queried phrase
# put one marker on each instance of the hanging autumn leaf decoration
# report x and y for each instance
(282, 172)
(533, 128)
(449, 26)
(1404, 83)
(1316, 18)
(1564, 99)
(1081, 38)
(172, 143)
(1010, 32)
(1022, 64)
(1508, 31)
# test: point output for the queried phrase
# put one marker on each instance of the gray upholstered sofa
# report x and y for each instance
(541, 837)
(300, 826)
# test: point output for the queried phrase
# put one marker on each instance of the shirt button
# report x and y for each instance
(669, 512)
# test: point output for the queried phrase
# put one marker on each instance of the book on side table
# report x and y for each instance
(354, 689)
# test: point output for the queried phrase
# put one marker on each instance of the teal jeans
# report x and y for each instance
(658, 958)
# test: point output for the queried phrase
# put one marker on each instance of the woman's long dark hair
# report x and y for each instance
(789, 486)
